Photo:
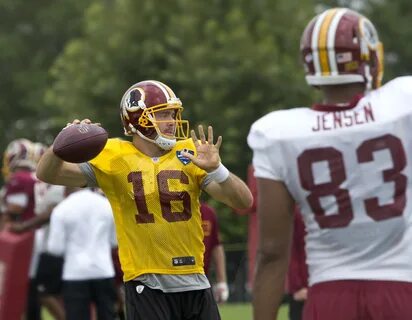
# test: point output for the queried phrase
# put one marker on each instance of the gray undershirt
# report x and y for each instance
(163, 282)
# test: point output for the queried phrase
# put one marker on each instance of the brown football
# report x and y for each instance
(80, 142)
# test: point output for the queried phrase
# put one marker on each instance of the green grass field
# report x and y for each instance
(234, 311)
(230, 311)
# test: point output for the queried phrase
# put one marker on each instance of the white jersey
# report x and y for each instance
(82, 230)
(45, 196)
(350, 172)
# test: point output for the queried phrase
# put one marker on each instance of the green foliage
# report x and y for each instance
(31, 36)
(229, 61)
(395, 33)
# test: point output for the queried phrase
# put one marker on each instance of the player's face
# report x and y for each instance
(166, 121)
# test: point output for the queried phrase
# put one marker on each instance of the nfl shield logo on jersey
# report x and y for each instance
(183, 159)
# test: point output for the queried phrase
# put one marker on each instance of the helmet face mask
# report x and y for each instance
(151, 110)
(165, 114)
(340, 46)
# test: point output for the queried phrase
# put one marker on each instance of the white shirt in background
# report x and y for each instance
(45, 196)
(82, 230)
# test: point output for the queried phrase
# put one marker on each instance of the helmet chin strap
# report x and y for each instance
(160, 141)
(164, 143)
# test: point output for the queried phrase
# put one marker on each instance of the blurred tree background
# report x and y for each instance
(230, 61)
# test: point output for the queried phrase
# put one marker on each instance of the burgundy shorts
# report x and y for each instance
(359, 300)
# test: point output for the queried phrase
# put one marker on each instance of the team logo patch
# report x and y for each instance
(183, 159)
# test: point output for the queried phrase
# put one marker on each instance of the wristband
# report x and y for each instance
(220, 174)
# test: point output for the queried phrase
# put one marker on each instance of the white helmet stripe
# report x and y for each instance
(315, 42)
(331, 41)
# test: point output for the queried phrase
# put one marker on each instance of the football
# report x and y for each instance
(80, 142)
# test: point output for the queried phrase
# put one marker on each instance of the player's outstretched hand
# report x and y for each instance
(208, 157)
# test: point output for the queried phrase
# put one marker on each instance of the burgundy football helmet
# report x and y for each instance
(138, 109)
(341, 46)
(18, 154)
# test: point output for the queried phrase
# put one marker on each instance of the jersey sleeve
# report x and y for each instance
(88, 172)
(267, 155)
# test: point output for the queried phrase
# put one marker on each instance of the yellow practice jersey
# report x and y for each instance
(156, 208)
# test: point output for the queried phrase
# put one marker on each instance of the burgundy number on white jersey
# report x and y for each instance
(338, 175)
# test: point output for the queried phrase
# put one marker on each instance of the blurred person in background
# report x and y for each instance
(49, 268)
(346, 163)
(297, 274)
(296, 283)
(19, 163)
(18, 173)
(118, 277)
(46, 268)
(252, 229)
(214, 253)
(153, 184)
(82, 231)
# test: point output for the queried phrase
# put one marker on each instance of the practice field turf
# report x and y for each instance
(230, 311)
(234, 311)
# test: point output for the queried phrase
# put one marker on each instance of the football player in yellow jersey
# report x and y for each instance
(153, 184)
